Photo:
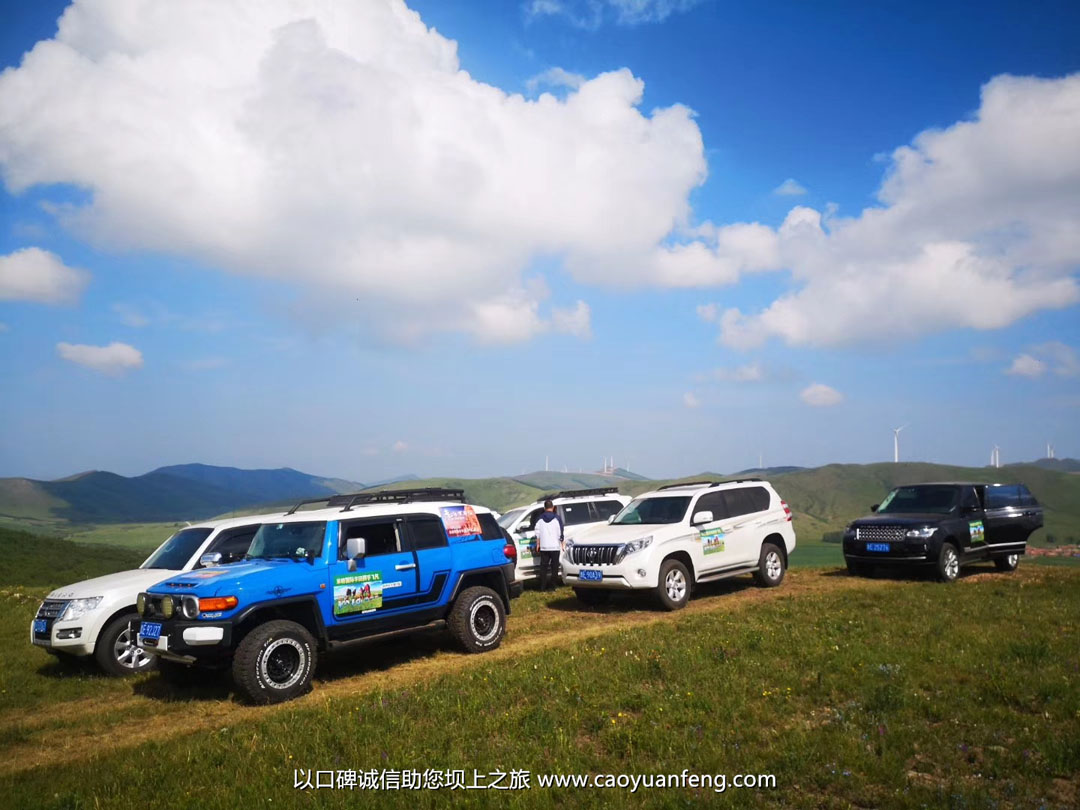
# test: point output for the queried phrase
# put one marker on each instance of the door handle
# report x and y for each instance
(404, 567)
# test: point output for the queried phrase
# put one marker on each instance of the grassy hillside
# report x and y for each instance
(32, 561)
(831, 684)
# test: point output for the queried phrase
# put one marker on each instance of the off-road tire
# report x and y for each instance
(1007, 563)
(592, 596)
(116, 651)
(477, 619)
(274, 662)
(771, 566)
(674, 586)
(948, 563)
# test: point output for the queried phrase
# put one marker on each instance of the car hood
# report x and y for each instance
(124, 582)
(608, 533)
(905, 519)
(271, 576)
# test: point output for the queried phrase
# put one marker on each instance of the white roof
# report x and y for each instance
(229, 523)
(691, 488)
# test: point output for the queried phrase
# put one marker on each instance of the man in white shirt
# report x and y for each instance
(549, 542)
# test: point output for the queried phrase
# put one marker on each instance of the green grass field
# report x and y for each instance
(887, 692)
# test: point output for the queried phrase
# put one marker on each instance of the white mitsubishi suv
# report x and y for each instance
(680, 535)
(97, 616)
(580, 509)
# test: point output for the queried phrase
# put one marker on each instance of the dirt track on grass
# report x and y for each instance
(79, 730)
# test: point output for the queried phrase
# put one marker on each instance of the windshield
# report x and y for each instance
(653, 510)
(174, 553)
(507, 520)
(901, 500)
(293, 540)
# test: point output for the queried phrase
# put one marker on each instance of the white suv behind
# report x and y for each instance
(580, 509)
(97, 616)
(680, 535)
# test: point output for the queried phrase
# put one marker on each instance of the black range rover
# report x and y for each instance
(946, 525)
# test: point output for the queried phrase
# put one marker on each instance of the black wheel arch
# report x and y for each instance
(303, 610)
(487, 577)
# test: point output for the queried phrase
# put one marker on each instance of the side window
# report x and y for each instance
(530, 522)
(233, 544)
(760, 498)
(605, 509)
(574, 514)
(740, 502)
(426, 532)
(489, 526)
(969, 498)
(1026, 498)
(713, 502)
(1000, 497)
(381, 536)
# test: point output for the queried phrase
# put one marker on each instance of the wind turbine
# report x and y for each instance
(896, 443)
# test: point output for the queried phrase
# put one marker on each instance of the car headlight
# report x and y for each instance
(921, 533)
(140, 604)
(632, 547)
(850, 533)
(189, 606)
(79, 607)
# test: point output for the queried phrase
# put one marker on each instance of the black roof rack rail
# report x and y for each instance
(347, 502)
(688, 484)
(579, 493)
(739, 481)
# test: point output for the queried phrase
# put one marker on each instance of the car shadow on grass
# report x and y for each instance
(62, 667)
(912, 573)
(646, 600)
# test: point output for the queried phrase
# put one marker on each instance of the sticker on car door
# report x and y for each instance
(978, 531)
(358, 593)
(712, 541)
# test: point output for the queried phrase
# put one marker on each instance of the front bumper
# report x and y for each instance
(630, 574)
(909, 552)
(62, 637)
(188, 641)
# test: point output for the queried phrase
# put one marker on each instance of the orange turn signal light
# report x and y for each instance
(212, 603)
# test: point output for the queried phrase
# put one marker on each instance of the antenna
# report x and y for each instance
(896, 443)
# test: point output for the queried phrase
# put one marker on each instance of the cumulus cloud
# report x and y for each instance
(114, 359)
(820, 395)
(976, 228)
(33, 274)
(790, 188)
(1056, 357)
(342, 147)
(691, 400)
(555, 77)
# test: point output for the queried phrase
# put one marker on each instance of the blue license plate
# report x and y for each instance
(41, 626)
(150, 630)
(877, 546)
(591, 576)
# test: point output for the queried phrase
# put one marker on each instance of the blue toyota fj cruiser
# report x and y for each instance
(366, 565)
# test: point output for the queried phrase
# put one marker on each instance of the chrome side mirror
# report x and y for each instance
(704, 516)
(210, 559)
(355, 547)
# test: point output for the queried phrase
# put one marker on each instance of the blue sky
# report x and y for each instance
(257, 254)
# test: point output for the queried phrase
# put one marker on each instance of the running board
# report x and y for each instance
(728, 574)
(438, 624)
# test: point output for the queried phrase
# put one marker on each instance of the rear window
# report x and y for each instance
(574, 514)
(605, 509)
(490, 527)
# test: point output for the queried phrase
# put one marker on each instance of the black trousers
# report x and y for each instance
(549, 567)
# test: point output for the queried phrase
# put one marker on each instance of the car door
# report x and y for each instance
(972, 535)
(384, 580)
(426, 539)
(746, 508)
(575, 517)
(1033, 513)
(1004, 516)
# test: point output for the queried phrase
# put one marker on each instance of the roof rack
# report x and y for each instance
(347, 502)
(579, 493)
(688, 484)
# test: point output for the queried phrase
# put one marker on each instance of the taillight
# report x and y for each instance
(787, 510)
(510, 550)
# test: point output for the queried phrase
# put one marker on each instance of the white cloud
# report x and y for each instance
(130, 316)
(555, 77)
(591, 14)
(33, 274)
(400, 446)
(691, 400)
(976, 228)
(576, 321)
(820, 395)
(708, 312)
(342, 148)
(1025, 365)
(790, 188)
(1054, 356)
(751, 372)
(114, 359)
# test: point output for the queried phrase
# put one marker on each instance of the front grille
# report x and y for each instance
(881, 534)
(594, 555)
(52, 608)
